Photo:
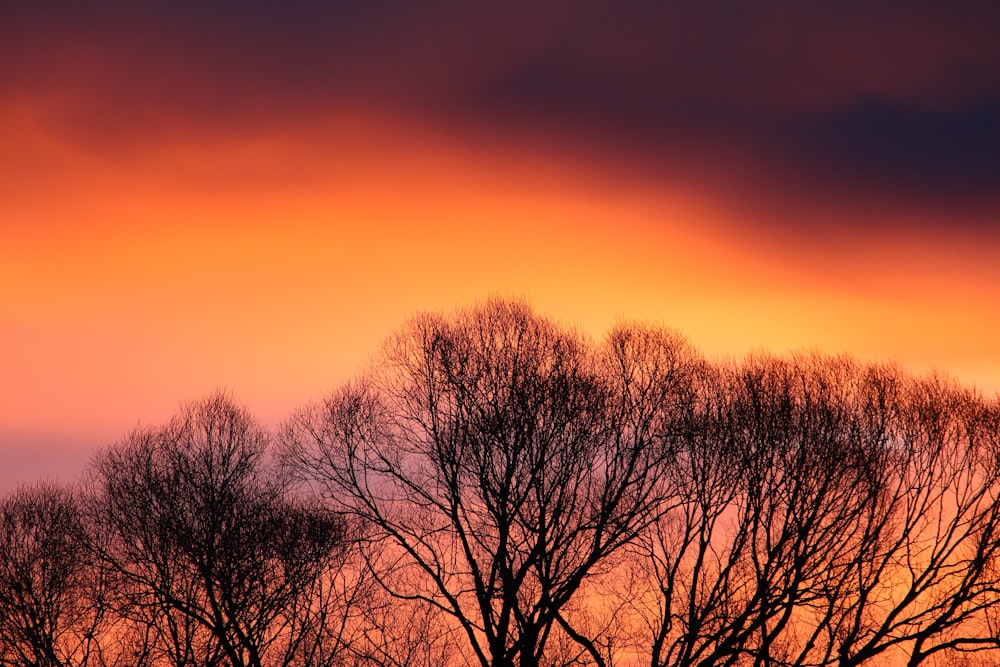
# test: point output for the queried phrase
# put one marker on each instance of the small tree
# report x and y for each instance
(214, 555)
(51, 606)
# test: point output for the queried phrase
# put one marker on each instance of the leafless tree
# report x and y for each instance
(928, 585)
(217, 561)
(500, 490)
(51, 607)
(829, 513)
(499, 461)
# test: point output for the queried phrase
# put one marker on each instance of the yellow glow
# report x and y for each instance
(274, 265)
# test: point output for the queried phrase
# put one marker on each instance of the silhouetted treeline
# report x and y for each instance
(499, 490)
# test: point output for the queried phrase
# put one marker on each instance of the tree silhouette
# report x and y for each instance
(498, 461)
(215, 556)
(499, 490)
(50, 597)
(831, 513)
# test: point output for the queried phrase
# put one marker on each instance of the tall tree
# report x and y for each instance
(829, 513)
(499, 460)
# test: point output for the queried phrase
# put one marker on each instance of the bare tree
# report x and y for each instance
(829, 513)
(928, 585)
(500, 490)
(51, 609)
(218, 562)
(499, 460)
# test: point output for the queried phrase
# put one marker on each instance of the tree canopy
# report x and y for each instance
(498, 489)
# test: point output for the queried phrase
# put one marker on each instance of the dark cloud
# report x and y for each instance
(907, 147)
(897, 99)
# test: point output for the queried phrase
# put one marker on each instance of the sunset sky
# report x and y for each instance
(251, 196)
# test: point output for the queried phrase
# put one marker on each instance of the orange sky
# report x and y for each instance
(271, 258)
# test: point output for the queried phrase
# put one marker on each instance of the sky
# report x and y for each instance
(251, 196)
